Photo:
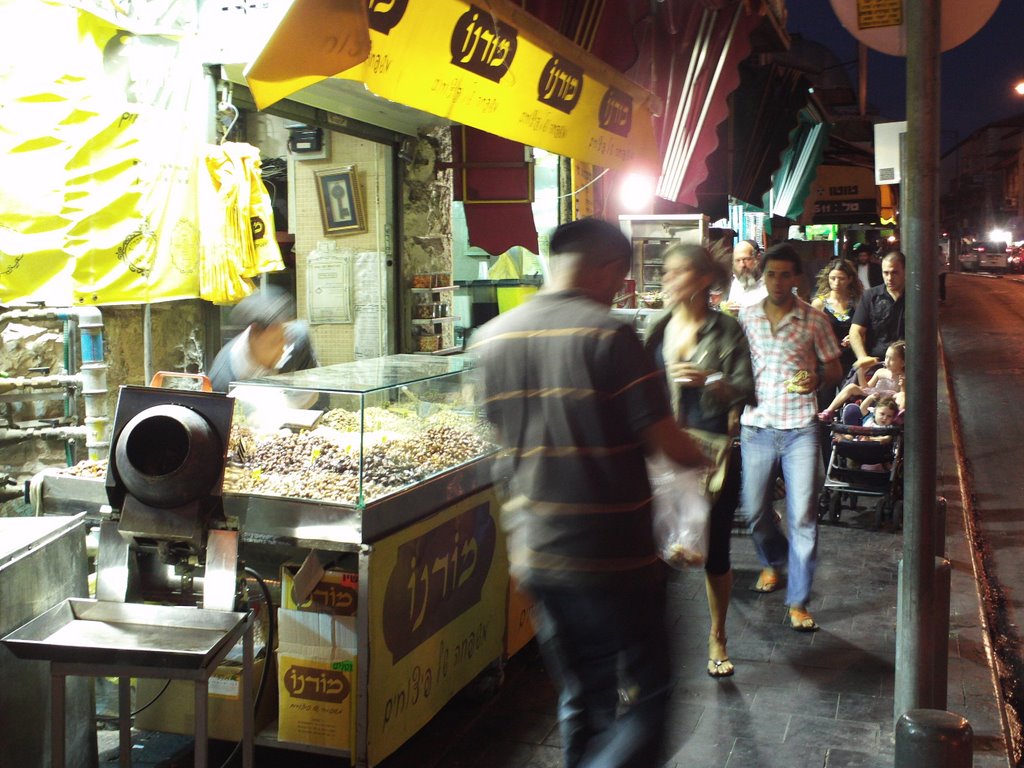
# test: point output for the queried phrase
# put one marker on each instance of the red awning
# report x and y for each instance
(494, 181)
(703, 69)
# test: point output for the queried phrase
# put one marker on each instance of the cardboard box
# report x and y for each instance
(336, 593)
(174, 710)
(316, 660)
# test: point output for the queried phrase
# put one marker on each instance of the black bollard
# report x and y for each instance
(933, 738)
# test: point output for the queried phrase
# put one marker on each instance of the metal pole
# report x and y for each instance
(915, 627)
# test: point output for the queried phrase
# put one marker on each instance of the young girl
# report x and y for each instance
(870, 413)
(873, 411)
(890, 379)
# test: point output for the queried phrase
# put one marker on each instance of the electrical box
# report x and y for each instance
(307, 142)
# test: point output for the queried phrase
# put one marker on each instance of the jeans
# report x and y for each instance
(588, 636)
(796, 450)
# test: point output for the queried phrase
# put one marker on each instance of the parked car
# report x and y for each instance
(969, 260)
(1016, 260)
(986, 256)
(993, 256)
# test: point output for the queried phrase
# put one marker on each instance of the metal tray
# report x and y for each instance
(80, 631)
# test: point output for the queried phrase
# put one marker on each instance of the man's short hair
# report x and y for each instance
(267, 306)
(896, 256)
(785, 252)
(594, 240)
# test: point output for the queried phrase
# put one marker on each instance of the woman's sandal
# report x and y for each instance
(721, 667)
(801, 621)
(718, 667)
(767, 581)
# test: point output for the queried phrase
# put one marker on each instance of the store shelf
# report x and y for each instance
(439, 289)
(434, 320)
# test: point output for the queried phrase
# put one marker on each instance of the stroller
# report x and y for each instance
(846, 480)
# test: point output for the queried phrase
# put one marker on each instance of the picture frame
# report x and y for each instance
(341, 203)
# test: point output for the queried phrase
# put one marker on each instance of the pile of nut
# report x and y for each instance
(87, 468)
(323, 463)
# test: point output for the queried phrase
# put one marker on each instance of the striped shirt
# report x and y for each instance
(570, 389)
(801, 341)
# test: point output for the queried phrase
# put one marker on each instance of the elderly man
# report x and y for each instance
(878, 320)
(747, 286)
(576, 402)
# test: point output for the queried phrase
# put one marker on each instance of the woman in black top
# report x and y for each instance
(706, 359)
(837, 295)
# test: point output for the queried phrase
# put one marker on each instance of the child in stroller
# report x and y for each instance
(866, 460)
(890, 379)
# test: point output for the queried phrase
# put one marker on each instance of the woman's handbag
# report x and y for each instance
(718, 448)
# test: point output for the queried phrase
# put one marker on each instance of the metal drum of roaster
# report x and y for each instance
(167, 463)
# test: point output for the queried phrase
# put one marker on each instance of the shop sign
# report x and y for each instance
(841, 195)
(490, 66)
(438, 593)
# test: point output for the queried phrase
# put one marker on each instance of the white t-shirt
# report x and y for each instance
(862, 273)
(746, 297)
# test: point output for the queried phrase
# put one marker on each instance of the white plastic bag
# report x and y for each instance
(681, 513)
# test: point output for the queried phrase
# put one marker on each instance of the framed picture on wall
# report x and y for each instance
(341, 204)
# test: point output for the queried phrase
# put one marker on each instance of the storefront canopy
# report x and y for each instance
(792, 182)
(493, 67)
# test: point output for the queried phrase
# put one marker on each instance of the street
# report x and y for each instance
(981, 326)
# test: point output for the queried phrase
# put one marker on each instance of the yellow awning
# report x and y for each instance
(314, 40)
(495, 68)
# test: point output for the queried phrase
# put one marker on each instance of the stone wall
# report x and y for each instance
(23, 347)
(426, 219)
(179, 344)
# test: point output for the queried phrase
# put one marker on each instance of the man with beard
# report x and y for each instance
(747, 286)
(868, 270)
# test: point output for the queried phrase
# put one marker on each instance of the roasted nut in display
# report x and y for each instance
(340, 419)
(88, 468)
(323, 463)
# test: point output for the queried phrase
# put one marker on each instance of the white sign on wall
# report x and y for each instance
(329, 285)
(889, 143)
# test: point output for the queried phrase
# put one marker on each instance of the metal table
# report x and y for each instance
(103, 638)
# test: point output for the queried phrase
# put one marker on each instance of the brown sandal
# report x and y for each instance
(767, 581)
(801, 621)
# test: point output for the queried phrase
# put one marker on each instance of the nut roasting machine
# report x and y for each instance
(165, 540)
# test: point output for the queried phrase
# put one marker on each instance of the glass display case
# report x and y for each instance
(354, 433)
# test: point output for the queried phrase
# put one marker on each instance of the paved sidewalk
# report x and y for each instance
(797, 700)
(821, 700)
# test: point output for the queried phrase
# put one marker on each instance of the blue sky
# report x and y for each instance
(977, 77)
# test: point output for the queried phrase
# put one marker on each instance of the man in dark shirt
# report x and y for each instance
(576, 401)
(271, 341)
(878, 320)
